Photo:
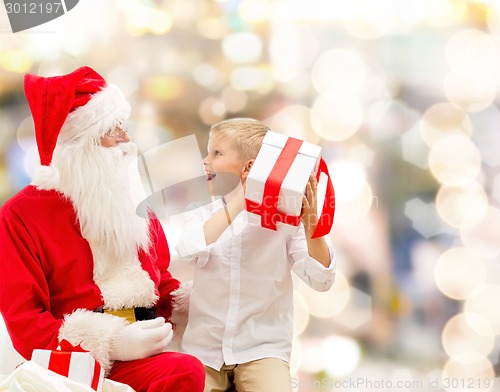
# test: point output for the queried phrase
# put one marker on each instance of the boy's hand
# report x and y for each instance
(317, 247)
(309, 206)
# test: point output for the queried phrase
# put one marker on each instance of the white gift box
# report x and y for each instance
(286, 208)
(77, 366)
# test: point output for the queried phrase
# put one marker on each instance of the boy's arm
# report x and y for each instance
(318, 250)
(220, 221)
(306, 267)
(192, 246)
(317, 247)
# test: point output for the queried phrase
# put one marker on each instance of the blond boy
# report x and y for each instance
(241, 311)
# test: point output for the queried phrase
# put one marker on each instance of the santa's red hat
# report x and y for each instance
(76, 106)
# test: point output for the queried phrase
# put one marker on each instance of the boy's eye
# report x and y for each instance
(217, 152)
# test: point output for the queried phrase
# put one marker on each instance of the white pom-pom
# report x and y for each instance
(46, 177)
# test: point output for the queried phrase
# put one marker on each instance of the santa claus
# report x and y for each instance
(77, 262)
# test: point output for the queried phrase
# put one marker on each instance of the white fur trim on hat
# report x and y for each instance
(105, 110)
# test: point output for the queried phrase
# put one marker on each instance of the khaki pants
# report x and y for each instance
(262, 375)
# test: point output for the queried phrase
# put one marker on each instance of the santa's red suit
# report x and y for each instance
(54, 281)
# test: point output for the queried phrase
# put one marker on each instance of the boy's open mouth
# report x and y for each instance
(210, 175)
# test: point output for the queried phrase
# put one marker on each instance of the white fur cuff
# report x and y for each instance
(94, 331)
(180, 308)
(181, 297)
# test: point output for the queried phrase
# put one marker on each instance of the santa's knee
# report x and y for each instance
(194, 372)
(192, 365)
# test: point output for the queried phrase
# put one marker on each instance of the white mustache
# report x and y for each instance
(126, 149)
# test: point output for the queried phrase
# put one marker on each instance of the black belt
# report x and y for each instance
(132, 314)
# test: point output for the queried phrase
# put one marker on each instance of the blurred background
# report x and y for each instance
(403, 97)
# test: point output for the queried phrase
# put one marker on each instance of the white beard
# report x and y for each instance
(104, 185)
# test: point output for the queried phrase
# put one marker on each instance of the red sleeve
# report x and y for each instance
(24, 294)
(167, 282)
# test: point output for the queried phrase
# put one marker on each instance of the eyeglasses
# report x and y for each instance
(119, 135)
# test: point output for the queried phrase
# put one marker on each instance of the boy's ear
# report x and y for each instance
(247, 167)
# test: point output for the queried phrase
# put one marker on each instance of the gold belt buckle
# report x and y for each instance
(128, 314)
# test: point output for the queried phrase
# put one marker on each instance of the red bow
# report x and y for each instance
(60, 361)
(67, 346)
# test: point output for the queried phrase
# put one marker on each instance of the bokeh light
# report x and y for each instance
(443, 119)
(454, 160)
(341, 355)
(241, 48)
(327, 304)
(472, 92)
(336, 117)
(212, 28)
(458, 272)
(212, 110)
(484, 237)
(163, 88)
(466, 333)
(314, 10)
(372, 19)
(474, 59)
(142, 19)
(15, 60)
(255, 11)
(252, 78)
(31, 160)
(294, 121)
(472, 51)
(339, 71)
(185, 13)
(296, 358)
(493, 18)
(25, 134)
(234, 100)
(312, 356)
(206, 75)
(458, 371)
(301, 313)
(495, 191)
(462, 207)
(353, 195)
(443, 12)
(484, 301)
(292, 48)
(358, 311)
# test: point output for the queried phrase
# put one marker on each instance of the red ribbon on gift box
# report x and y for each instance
(60, 361)
(268, 209)
(325, 221)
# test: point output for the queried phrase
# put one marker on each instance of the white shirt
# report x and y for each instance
(241, 306)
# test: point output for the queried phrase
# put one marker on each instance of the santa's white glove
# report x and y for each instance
(141, 339)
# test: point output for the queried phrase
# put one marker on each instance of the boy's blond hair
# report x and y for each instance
(246, 134)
